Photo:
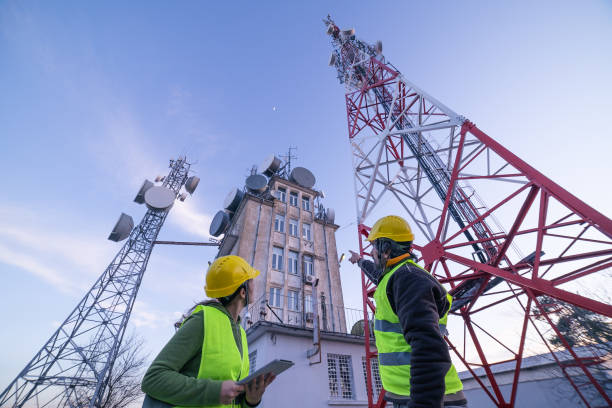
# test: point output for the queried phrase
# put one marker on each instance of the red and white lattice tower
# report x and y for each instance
(415, 157)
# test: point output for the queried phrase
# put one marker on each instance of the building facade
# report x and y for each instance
(298, 311)
(281, 233)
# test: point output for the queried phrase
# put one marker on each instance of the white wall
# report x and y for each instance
(306, 385)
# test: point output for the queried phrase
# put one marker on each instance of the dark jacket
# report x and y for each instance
(419, 301)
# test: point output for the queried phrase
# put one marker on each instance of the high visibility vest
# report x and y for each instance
(393, 350)
(221, 359)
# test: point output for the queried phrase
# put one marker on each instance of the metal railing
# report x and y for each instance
(297, 312)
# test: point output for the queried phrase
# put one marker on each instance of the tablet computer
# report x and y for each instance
(273, 367)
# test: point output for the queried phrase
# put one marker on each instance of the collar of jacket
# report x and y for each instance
(217, 305)
(397, 259)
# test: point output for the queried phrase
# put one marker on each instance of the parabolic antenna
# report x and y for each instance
(122, 228)
(140, 196)
(303, 177)
(159, 198)
(232, 200)
(270, 165)
(191, 184)
(219, 223)
(330, 215)
(257, 183)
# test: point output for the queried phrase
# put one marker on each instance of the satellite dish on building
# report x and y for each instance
(330, 29)
(330, 215)
(122, 228)
(140, 196)
(233, 199)
(159, 198)
(257, 183)
(358, 328)
(219, 223)
(191, 184)
(270, 165)
(303, 177)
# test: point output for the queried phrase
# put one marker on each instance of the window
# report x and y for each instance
(305, 203)
(252, 361)
(281, 194)
(277, 258)
(376, 381)
(308, 303)
(308, 265)
(293, 262)
(276, 299)
(293, 198)
(279, 223)
(292, 300)
(306, 232)
(340, 375)
(293, 228)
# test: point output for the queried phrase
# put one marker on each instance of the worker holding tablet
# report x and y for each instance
(208, 355)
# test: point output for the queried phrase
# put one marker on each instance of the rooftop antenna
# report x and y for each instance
(287, 159)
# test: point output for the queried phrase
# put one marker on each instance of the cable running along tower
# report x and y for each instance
(415, 157)
(73, 368)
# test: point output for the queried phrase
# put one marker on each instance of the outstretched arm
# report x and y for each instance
(366, 266)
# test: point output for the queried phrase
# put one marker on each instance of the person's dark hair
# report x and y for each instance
(397, 248)
(223, 300)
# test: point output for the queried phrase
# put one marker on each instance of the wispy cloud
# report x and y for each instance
(190, 219)
(34, 266)
(59, 259)
(144, 315)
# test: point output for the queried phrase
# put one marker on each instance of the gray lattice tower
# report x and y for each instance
(72, 369)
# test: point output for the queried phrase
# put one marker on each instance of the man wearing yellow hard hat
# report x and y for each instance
(202, 362)
(409, 323)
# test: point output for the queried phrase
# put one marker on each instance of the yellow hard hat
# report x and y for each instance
(226, 274)
(392, 227)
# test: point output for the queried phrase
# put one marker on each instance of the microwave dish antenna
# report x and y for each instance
(122, 229)
(159, 198)
(270, 166)
(303, 177)
(257, 183)
(233, 199)
(219, 223)
(143, 189)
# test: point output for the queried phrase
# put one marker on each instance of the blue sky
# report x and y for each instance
(96, 97)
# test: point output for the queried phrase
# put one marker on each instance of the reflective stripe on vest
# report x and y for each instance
(393, 351)
(388, 327)
(221, 359)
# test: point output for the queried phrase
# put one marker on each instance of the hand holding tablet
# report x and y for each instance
(274, 367)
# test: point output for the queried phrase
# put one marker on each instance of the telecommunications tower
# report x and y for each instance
(74, 366)
(415, 157)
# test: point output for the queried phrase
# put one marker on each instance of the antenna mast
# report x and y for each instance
(411, 150)
(73, 368)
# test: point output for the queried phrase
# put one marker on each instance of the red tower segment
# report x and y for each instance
(415, 157)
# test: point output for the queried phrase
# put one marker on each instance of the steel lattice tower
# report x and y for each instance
(415, 157)
(72, 369)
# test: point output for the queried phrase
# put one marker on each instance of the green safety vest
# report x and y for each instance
(221, 360)
(393, 350)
